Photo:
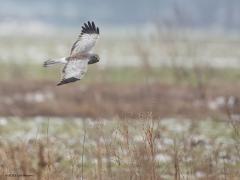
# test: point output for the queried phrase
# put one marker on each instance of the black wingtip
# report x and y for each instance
(93, 25)
(90, 25)
(90, 28)
(69, 80)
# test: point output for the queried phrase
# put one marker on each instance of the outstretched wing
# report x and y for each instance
(74, 70)
(86, 40)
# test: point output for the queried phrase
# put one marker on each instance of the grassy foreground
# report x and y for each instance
(128, 149)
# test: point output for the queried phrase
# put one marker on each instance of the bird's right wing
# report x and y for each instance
(86, 40)
(74, 70)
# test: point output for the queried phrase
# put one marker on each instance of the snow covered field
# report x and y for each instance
(163, 148)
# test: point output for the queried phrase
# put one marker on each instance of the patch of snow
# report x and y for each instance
(3, 121)
(38, 97)
(217, 103)
(163, 158)
(176, 125)
(168, 141)
(138, 138)
(200, 174)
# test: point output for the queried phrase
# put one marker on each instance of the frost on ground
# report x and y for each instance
(159, 48)
(143, 148)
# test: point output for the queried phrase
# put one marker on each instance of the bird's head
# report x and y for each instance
(93, 59)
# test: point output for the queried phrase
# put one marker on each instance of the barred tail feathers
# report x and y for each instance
(52, 62)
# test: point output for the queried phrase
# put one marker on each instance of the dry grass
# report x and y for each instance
(126, 149)
(103, 100)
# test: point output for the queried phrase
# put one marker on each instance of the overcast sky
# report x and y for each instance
(194, 13)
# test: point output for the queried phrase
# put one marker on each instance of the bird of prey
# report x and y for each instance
(80, 56)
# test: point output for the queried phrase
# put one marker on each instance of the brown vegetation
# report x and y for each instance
(141, 149)
(41, 98)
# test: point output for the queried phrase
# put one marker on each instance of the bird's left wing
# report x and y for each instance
(74, 70)
(86, 40)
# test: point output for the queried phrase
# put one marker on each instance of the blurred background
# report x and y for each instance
(169, 69)
(147, 49)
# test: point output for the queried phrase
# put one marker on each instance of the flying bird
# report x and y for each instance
(76, 64)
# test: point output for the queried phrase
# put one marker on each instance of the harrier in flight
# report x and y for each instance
(77, 63)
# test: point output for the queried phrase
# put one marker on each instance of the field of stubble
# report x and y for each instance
(176, 120)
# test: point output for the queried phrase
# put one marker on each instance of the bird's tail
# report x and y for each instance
(51, 62)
